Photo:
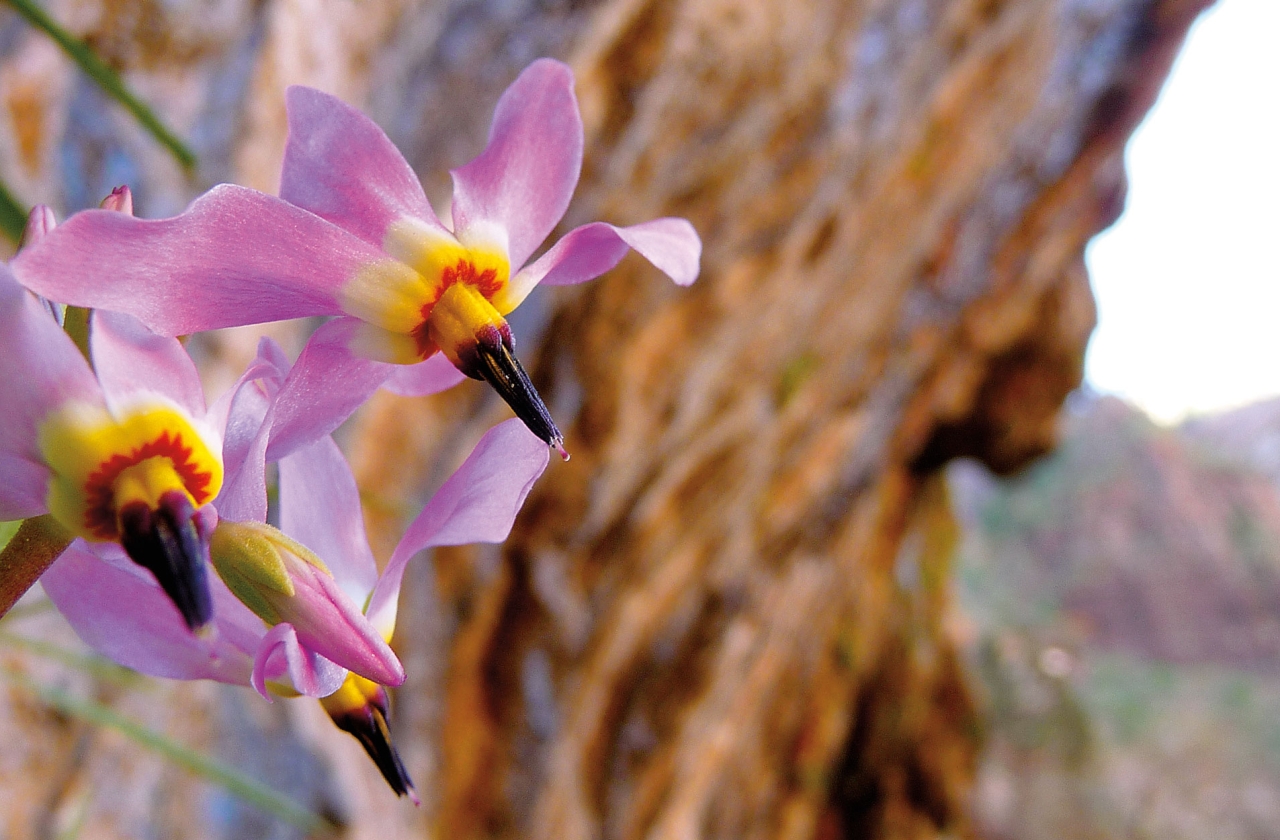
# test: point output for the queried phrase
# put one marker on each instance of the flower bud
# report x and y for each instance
(39, 222)
(282, 581)
(120, 200)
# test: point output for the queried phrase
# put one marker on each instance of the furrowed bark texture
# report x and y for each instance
(727, 616)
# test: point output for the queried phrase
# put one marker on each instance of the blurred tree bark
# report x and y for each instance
(729, 614)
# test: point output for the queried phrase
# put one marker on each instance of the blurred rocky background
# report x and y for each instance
(734, 612)
(1124, 596)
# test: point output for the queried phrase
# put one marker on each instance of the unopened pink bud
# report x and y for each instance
(120, 200)
(39, 222)
(282, 581)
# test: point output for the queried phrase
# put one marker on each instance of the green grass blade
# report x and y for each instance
(78, 820)
(212, 770)
(12, 217)
(100, 668)
(106, 78)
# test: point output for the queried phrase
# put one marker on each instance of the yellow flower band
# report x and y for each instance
(410, 299)
(101, 464)
(436, 292)
(355, 695)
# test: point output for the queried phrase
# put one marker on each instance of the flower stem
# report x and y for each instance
(33, 549)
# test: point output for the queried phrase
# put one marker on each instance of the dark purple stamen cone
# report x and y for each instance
(494, 362)
(167, 543)
(369, 726)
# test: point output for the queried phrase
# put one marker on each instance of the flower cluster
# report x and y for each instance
(107, 441)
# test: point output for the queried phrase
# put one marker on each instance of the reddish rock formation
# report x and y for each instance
(1146, 539)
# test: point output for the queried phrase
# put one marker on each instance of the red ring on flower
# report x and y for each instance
(99, 488)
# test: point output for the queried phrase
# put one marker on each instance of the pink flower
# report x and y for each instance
(288, 624)
(353, 235)
(126, 456)
(305, 640)
(118, 457)
(319, 504)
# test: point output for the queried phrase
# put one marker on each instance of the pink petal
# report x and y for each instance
(331, 624)
(40, 369)
(236, 256)
(434, 375)
(282, 653)
(129, 358)
(245, 414)
(243, 497)
(244, 452)
(323, 388)
(124, 615)
(276, 408)
(341, 166)
(320, 508)
(524, 178)
(478, 503)
(586, 252)
(239, 413)
(23, 485)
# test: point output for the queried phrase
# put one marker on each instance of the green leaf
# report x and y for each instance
(12, 217)
(107, 79)
(229, 778)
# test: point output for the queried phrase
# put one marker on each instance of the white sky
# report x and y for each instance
(1188, 281)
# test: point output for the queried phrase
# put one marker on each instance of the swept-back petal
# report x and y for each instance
(323, 388)
(434, 375)
(478, 503)
(340, 165)
(129, 358)
(124, 615)
(244, 488)
(236, 256)
(586, 252)
(22, 487)
(525, 176)
(41, 370)
(320, 508)
(283, 655)
(275, 409)
(239, 412)
(244, 448)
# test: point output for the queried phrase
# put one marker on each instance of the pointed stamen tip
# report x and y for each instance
(167, 543)
(198, 616)
(558, 446)
(413, 796)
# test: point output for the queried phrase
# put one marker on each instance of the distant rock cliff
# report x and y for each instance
(1149, 539)
(1249, 436)
(1124, 605)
